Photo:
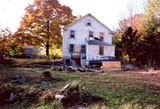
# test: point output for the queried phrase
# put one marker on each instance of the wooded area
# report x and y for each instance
(138, 39)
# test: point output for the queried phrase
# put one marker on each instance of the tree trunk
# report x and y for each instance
(47, 49)
(48, 39)
(130, 57)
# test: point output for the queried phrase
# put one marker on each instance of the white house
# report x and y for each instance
(86, 39)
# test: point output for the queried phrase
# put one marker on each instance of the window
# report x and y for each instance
(90, 33)
(101, 36)
(101, 50)
(71, 48)
(72, 34)
(88, 22)
(83, 49)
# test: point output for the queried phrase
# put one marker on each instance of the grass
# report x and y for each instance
(121, 89)
(14, 62)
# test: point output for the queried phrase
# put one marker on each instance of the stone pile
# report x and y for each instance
(76, 69)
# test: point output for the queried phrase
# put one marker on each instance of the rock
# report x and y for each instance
(71, 69)
(99, 71)
(22, 95)
(95, 70)
(43, 66)
(5, 95)
(81, 69)
(19, 79)
(60, 68)
(31, 66)
(47, 74)
(18, 76)
(12, 97)
(90, 70)
(128, 67)
(60, 97)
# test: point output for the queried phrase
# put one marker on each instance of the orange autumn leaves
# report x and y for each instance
(42, 22)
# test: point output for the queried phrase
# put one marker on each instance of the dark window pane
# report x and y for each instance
(71, 48)
(72, 34)
(83, 49)
(90, 33)
(88, 22)
(101, 38)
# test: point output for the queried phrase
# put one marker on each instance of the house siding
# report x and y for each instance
(81, 36)
(82, 32)
(93, 54)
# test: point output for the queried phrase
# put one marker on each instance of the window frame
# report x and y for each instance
(101, 50)
(71, 48)
(89, 22)
(101, 36)
(83, 49)
(91, 35)
(72, 33)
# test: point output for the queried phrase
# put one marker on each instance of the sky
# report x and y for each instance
(108, 12)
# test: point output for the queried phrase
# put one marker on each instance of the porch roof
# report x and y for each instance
(98, 42)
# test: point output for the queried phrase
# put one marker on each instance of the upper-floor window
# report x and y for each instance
(101, 35)
(89, 22)
(72, 34)
(71, 48)
(83, 49)
(90, 33)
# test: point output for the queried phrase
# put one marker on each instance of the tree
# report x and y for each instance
(5, 38)
(152, 31)
(41, 24)
(130, 19)
(129, 44)
(152, 10)
(140, 35)
(8, 44)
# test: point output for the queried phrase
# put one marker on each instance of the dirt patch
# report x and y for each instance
(148, 77)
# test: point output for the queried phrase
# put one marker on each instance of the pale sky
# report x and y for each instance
(108, 12)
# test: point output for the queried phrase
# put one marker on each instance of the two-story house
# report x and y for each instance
(86, 39)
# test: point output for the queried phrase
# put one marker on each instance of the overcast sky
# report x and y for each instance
(107, 11)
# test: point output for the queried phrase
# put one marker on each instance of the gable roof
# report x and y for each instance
(98, 42)
(85, 17)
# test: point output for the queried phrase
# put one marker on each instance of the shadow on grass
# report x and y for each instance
(6, 61)
(24, 63)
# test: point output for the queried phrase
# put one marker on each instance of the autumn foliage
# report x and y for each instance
(138, 39)
(42, 22)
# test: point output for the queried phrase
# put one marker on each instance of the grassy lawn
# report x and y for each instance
(121, 89)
